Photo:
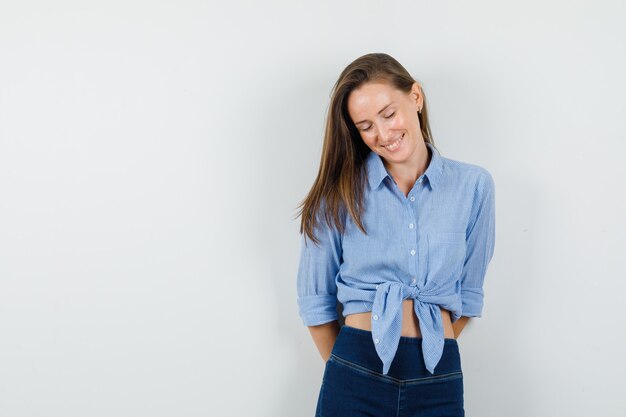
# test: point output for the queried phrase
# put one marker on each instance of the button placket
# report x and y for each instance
(413, 233)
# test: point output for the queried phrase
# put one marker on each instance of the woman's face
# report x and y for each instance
(387, 119)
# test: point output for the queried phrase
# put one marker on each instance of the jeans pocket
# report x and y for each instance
(356, 368)
(441, 394)
(450, 376)
(349, 387)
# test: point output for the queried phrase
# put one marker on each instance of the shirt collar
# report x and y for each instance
(377, 171)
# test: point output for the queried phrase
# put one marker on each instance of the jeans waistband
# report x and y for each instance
(357, 346)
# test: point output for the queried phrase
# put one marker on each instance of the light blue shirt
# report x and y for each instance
(433, 246)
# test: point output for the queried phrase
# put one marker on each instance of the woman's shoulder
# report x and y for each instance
(465, 170)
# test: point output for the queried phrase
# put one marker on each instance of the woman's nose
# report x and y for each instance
(384, 134)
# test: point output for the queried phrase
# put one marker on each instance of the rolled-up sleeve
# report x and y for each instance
(480, 248)
(317, 271)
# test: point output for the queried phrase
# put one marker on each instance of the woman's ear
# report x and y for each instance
(417, 96)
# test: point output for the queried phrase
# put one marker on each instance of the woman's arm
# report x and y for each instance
(458, 325)
(324, 336)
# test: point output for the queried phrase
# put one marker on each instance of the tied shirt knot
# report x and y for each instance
(387, 321)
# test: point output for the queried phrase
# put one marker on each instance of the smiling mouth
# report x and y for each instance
(393, 146)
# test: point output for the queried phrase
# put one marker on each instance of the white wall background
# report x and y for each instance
(152, 155)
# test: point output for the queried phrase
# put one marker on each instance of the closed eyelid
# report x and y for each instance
(386, 117)
(379, 112)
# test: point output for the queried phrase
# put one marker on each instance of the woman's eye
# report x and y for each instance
(386, 117)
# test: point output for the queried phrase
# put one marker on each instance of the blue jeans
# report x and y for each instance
(353, 383)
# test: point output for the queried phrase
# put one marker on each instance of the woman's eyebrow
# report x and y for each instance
(379, 112)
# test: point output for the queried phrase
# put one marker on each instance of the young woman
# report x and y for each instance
(399, 235)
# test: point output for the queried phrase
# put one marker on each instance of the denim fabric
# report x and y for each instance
(353, 384)
(432, 245)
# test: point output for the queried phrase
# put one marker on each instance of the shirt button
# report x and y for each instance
(411, 225)
(375, 317)
(413, 281)
(376, 341)
(420, 180)
(412, 198)
(412, 252)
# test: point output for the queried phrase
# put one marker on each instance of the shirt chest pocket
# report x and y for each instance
(446, 256)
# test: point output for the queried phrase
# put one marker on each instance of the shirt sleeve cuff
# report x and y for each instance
(317, 309)
(472, 299)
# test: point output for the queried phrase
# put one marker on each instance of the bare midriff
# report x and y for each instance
(410, 322)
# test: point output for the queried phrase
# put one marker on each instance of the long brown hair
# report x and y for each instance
(340, 182)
